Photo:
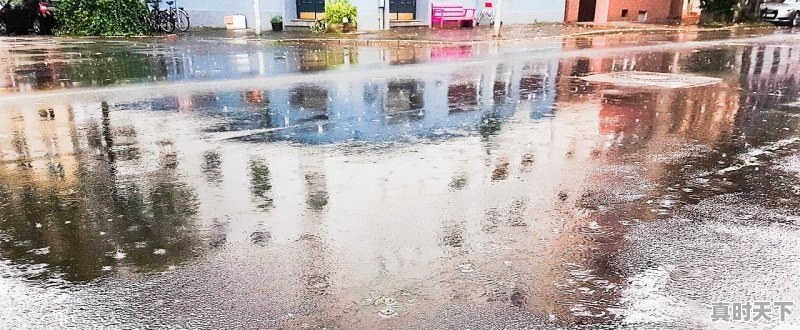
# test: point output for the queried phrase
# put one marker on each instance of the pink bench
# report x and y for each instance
(434, 6)
(447, 12)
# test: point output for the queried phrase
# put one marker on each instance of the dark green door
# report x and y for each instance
(403, 10)
(310, 9)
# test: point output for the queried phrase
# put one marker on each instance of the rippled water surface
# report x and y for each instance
(231, 183)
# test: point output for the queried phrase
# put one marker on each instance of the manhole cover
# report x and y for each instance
(651, 79)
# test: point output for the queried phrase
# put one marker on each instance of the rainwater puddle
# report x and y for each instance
(509, 192)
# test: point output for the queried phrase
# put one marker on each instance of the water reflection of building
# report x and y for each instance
(769, 74)
(646, 121)
(46, 66)
(487, 217)
(43, 70)
(73, 198)
(38, 138)
(382, 110)
(349, 203)
(774, 72)
(407, 54)
(404, 101)
(324, 59)
(642, 112)
(756, 81)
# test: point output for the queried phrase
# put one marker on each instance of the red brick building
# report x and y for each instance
(645, 11)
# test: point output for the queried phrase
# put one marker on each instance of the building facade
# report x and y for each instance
(643, 11)
(372, 14)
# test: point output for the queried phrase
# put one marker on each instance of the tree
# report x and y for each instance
(727, 11)
(748, 10)
(719, 5)
(102, 17)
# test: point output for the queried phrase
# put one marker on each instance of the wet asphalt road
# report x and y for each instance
(211, 183)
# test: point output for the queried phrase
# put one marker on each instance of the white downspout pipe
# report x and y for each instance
(257, 12)
(498, 17)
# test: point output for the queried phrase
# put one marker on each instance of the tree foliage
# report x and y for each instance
(719, 5)
(727, 10)
(337, 10)
(102, 17)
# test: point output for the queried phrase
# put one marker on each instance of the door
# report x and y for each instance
(403, 10)
(586, 10)
(311, 9)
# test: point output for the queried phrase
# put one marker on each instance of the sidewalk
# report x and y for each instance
(476, 35)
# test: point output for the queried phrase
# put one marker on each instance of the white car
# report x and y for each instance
(781, 12)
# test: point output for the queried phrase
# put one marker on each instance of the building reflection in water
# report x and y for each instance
(462, 94)
(354, 226)
(407, 54)
(401, 108)
(71, 202)
(643, 122)
(42, 66)
(404, 98)
(310, 98)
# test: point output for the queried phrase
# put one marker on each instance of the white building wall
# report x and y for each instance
(368, 14)
(210, 13)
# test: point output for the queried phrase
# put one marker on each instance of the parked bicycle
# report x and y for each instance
(167, 20)
(180, 18)
(158, 19)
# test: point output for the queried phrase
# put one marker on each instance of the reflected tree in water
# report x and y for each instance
(260, 183)
(79, 230)
(317, 191)
(211, 167)
(92, 219)
(127, 67)
(490, 125)
(709, 61)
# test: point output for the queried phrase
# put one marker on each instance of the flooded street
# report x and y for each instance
(210, 182)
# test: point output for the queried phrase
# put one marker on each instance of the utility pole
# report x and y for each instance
(257, 10)
(498, 20)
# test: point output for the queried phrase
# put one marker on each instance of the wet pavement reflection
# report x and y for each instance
(505, 191)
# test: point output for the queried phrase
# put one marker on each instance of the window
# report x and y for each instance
(624, 13)
(642, 16)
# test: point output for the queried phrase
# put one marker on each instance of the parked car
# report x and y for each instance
(781, 12)
(26, 15)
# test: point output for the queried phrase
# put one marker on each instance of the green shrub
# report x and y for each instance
(102, 17)
(337, 10)
(719, 5)
(718, 12)
(276, 19)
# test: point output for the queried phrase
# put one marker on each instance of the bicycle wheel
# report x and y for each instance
(182, 20)
(166, 22)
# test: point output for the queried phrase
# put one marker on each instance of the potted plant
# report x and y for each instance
(277, 23)
(341, 16)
